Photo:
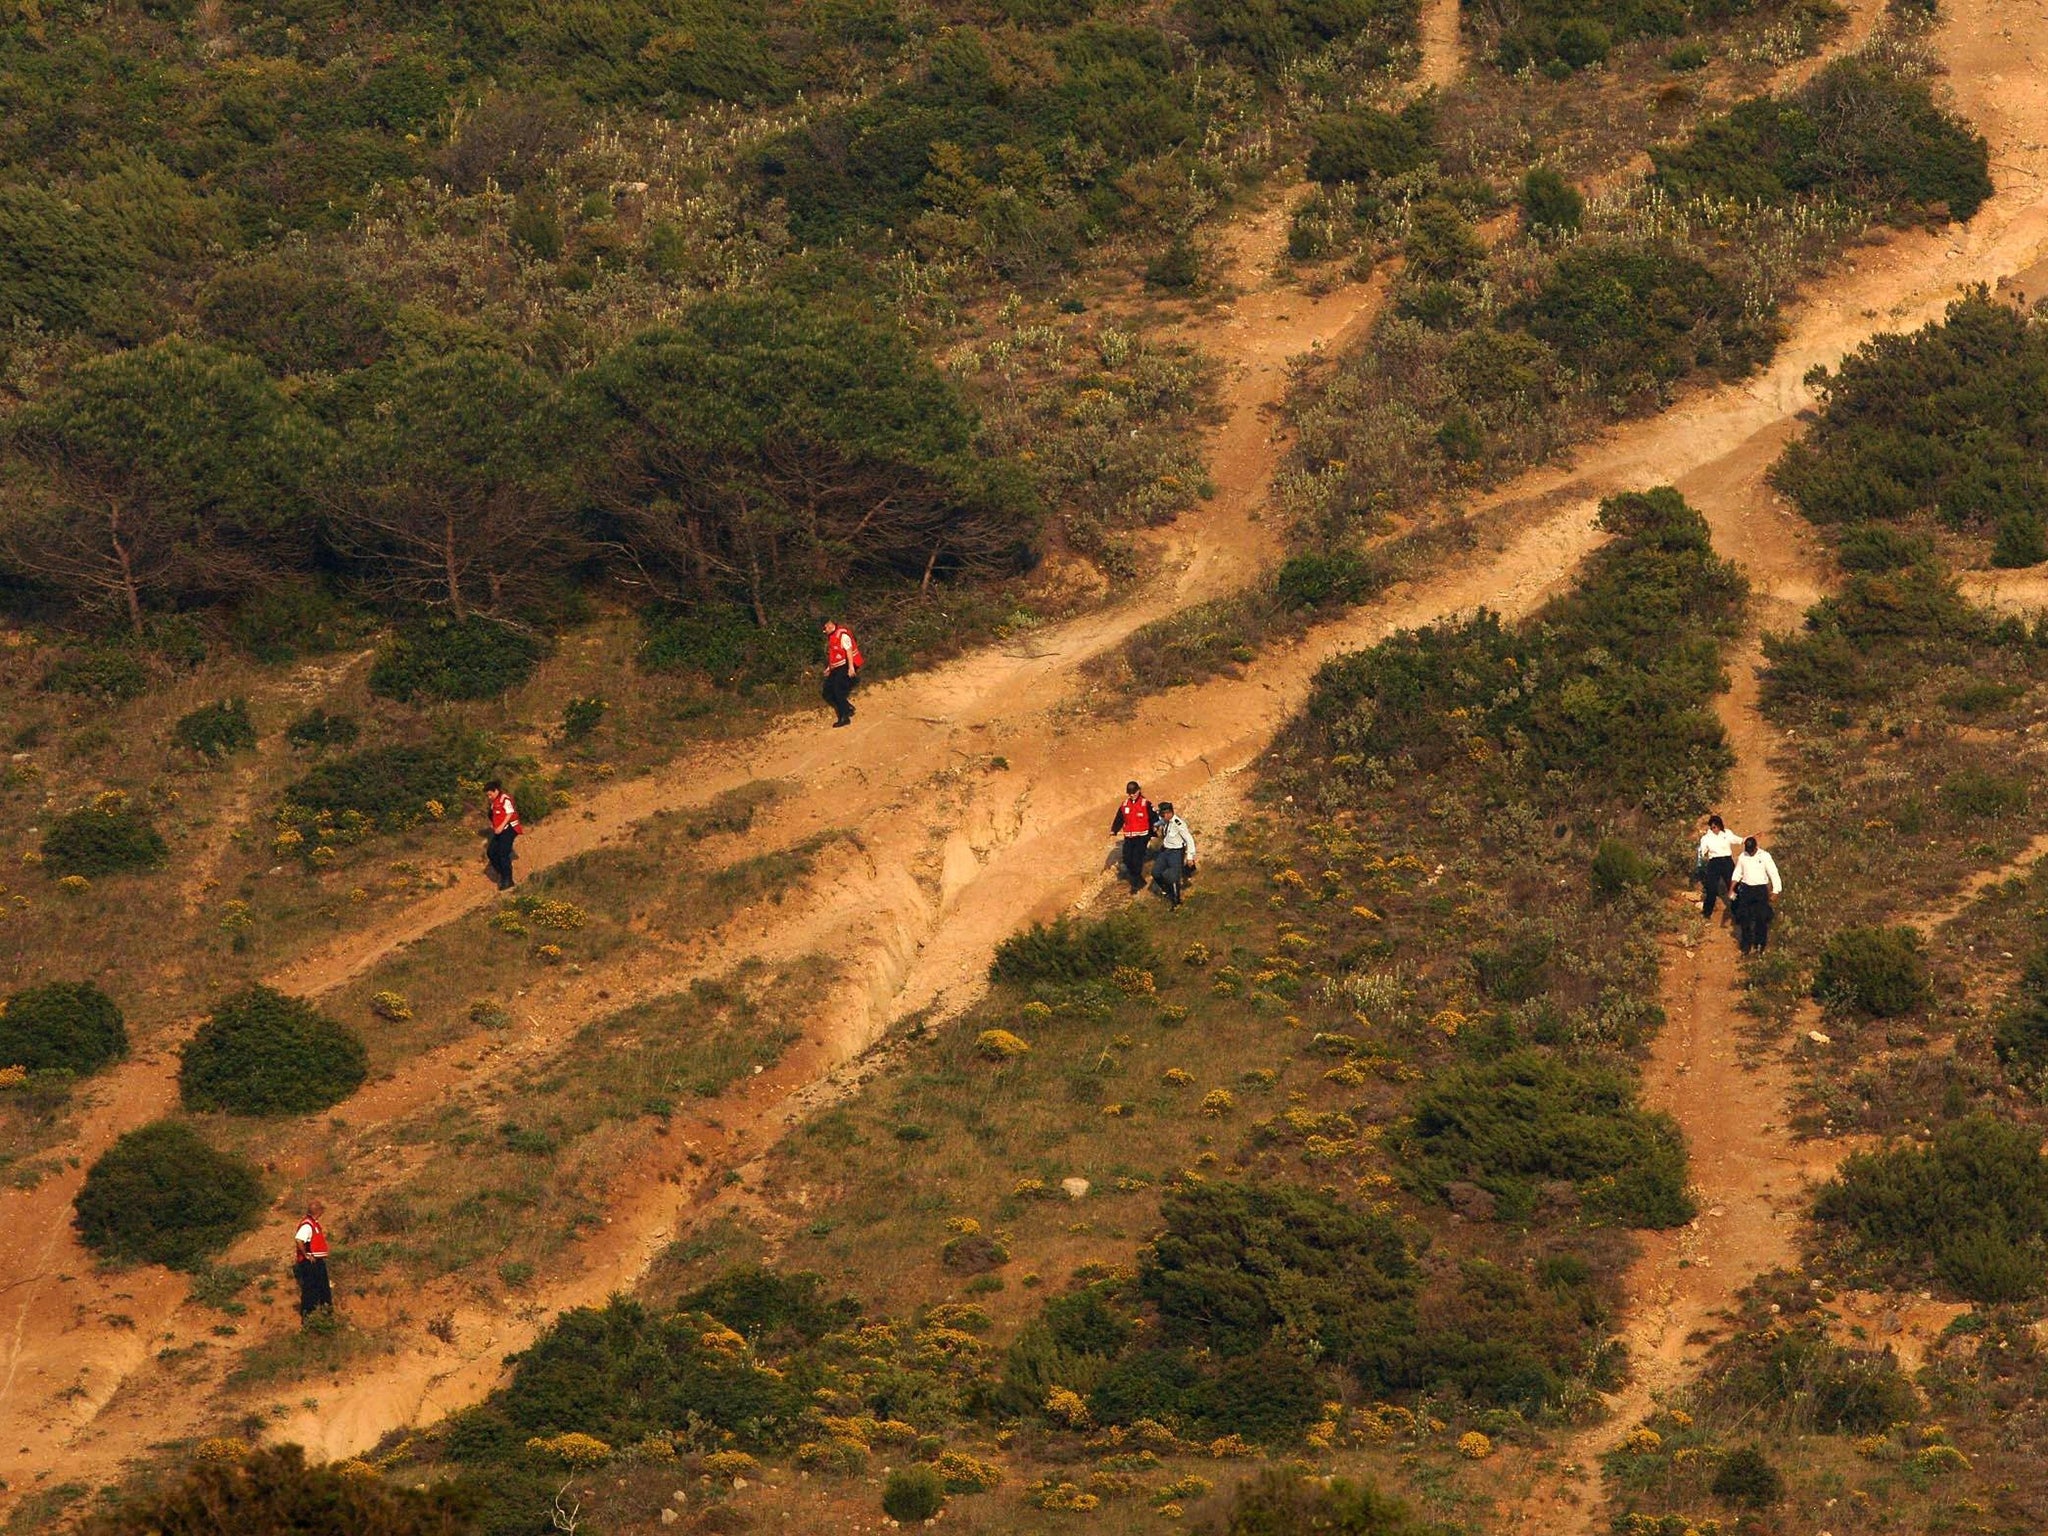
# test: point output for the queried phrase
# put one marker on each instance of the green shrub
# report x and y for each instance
(1972, 1207)
(1982, 796)
(1441, 241)
(762, 1304)
(1617, 867)
(1560, 708)
(1686, 58)
(286, 620)
(64, 1026)
(726, 645)
(1824, 1387)
(162, 1195)
(2021, 540)
(1287, 1501)
(1550, 204)
(1511, 1125)
(261, 1052)
(102, 840)
(1177, 269)
(1367, 145)
(1072, 950)
(216, 730)
(471, 658)
(1879, 634)
(581, 717)
(1853, 131)
(388, 787)
(108, 673)
(2020, 1039)
(913, 1493)
(317, 730)
(1876, 547)
(623, 1372)
(1515, 972)
(1881, 972)
(1746, 1477)
(1334, 579)
(272, 1491)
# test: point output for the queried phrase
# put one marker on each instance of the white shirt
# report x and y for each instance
(304, 1234)
(1758, 868)
(1719, 845)
(1177, 835)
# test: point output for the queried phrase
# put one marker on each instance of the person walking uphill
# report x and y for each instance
(842, 671)
(1176, 857)
(505, 829)
(1133, 823)
(1716, 864)
(309, 1263)
(1756, 889)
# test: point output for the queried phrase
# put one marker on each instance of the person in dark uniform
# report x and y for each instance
(1756, 893)
(1175, 860)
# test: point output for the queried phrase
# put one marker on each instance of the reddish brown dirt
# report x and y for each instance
(953, 855)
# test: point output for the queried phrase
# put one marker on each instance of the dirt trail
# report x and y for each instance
(954, 856)
(1443, 45)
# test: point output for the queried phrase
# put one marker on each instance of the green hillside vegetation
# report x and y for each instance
(261, 1052)
(1491, 360)
(162, 1194)
(65, 1026)
(1346, 1039)
(1936, 429)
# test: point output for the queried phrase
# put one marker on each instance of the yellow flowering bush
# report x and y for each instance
(1064, 1405)
(1066, 1497)
(967, 1474)
(74, 884)
(1643, 1441)
(578, 1450)
(730, 1464)
(1178, 1077)
(1474, 1446)
(391, 1005)
(1218, 1102)
(221, 1448)
(1001, 1045)
(1133, 982)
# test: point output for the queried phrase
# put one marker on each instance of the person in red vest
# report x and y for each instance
(309, 1263)
(1133, 823)
(842, 670)
(504, 818)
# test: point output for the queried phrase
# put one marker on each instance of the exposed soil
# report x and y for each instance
(952, 854)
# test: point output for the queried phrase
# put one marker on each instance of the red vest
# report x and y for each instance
(316, 1246)
(1136, 815)
(502, 811)
(841, 649)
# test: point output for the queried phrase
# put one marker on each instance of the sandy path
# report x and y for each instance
(954, 856)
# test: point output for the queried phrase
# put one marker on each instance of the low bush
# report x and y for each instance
(1880, 633)
(1878, 547)
(469, 658)
(1618, 867)
(1550, 204)
(317, 730)
(1287, 1501)
(1602, 697)
(726, 645)
(1368, 145)
(162, 1195)
(108, 673)
(1971, 1207)
(217, 730)
(1818, 1385)
(1853, 131)
(2020, 1039)
(102, 839)
(581, 717)
(1319, 579)
(1072, 950)
(65, 1026)
(387, 787)
(272, 1492)
(765, 1305)
(1513, 1125)
(287, 620)
(913, 1494)
(1747, 1478)
(624, 1372)
(261, 1052)
(1981, 796)
(1881, 972)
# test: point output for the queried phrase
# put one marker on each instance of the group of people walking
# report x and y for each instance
(1739, 875)
(1136, 822)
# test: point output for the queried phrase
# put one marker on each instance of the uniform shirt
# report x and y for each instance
(840, 650)
(1177, 835)
(1720, 845)
(1758, 868)
(311, 1238)
(503, 812)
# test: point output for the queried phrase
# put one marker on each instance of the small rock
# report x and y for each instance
(679, 1497)
(1075, 1188)
(1818, 1038)
(669, 1517)
(738, 1483)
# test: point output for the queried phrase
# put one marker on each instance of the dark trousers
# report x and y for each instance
(1134, 860)
(1714, 884)
(1169, 869)
(498, 854)
(838, 692)
(314, 1291)
(1753, 914)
